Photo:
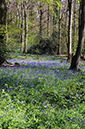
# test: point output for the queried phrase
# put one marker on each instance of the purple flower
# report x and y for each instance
(14, 99)
(76, 106)
(11, 107)
(16, 83)
(43, 110)
(82, 122)
(21, 103)
(21, 76)
(68, 119)
(41, 124)
(25, 117)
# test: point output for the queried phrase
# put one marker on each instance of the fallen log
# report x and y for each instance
(14, 64)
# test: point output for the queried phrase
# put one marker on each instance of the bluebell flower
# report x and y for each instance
(82, 122)
(11, 107)
(68, 119)
(43, 110)
(14, 99)
(41, 124)
(25, 117)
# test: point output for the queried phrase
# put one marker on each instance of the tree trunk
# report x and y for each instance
(66, 28)
(70, 4)
(41, 13)
(26, 29)
(48, 21)
(2, 31)
(76, 58)
(59, 36)
(83, 54)
(22, 27)
(54, 22)
(74, 27)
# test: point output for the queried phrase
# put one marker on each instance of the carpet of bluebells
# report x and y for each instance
(42, 94)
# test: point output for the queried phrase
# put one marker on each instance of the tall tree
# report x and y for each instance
(76, 58)
(70, 5)
(41, 14)
(74, 26)
(59, 35)
(2, 30)
(26, 28)
(22, 26)
(48, 20)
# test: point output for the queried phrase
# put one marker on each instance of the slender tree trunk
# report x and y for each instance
(19, 12)
(2, 30)
(70, 4)
(6, 29)
(76, 58)
(74, 27)
(41, 14)
(59, 36)
(26, 29)
(16, 19)
(22, 27)
(48, 21)
(66, 24)
(54, 23)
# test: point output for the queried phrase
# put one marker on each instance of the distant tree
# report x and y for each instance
(59, 35)
(66, 27)
(2, 31)
(41, 14)
(22, 26)
(26, 27)
(76, 57)
(48, 13)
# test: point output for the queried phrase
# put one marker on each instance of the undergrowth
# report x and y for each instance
(42, 95)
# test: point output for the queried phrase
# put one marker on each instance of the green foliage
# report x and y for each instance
(3, 52)
(45, 46)
(78, 1)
